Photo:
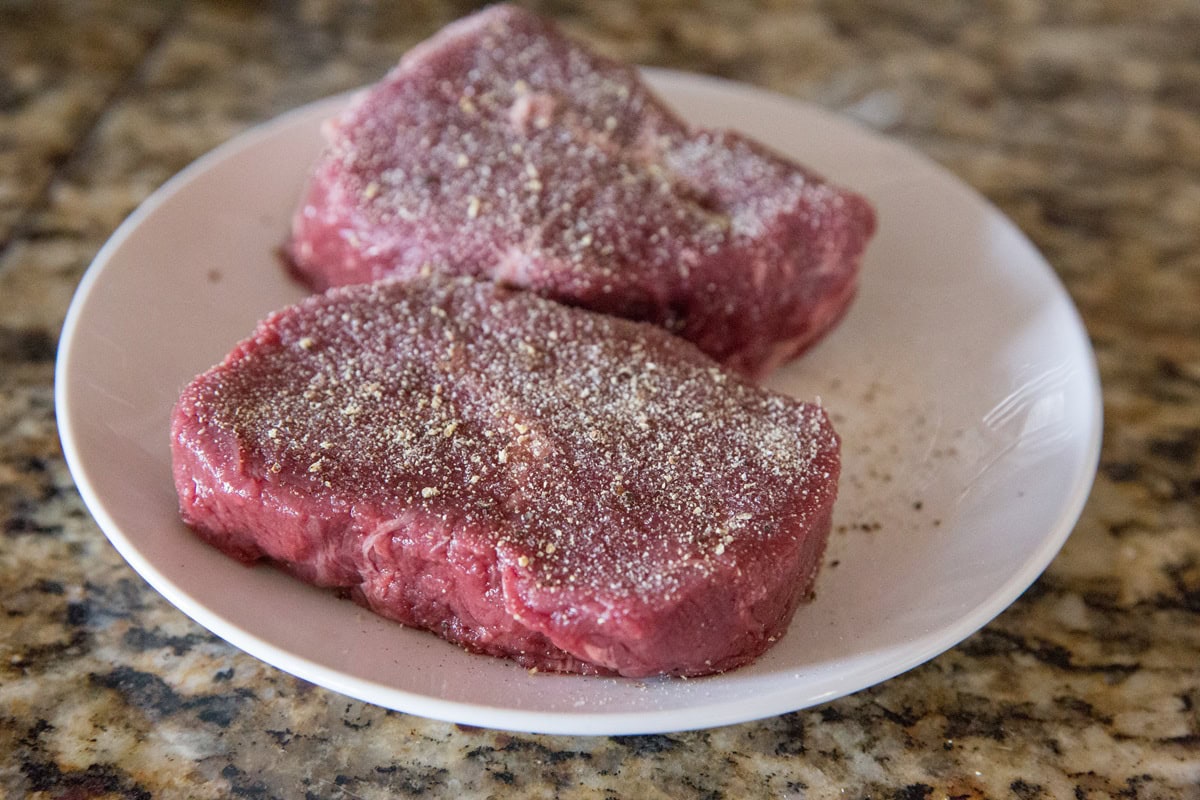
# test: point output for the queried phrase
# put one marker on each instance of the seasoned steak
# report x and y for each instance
(502, 150)
(572, 490)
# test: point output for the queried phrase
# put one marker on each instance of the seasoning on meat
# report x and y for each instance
(568, 489)
(501, 149)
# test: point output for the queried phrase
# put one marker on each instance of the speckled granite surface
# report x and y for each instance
(1080, 120)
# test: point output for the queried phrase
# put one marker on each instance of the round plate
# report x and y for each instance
(962, 382)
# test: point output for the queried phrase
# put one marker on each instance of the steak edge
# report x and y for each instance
(571, 490)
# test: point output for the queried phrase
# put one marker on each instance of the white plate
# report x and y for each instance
(962, 382)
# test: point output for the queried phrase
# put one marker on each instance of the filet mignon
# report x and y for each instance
(572, 490)
(501, 149)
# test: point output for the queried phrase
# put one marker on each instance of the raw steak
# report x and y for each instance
(501, 149)
(572, 490)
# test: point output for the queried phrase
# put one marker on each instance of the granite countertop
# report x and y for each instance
(1081, 121)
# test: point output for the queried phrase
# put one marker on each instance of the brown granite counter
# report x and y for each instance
(1079, 120)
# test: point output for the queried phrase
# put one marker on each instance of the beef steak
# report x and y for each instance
(572, 490)
(501, 149)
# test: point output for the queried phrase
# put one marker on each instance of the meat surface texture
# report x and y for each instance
(503, 150)
(574, 491)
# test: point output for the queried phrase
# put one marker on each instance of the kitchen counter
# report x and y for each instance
(1081, 121)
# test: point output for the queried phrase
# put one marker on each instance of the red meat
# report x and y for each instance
(503, 150)
(572, 490)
